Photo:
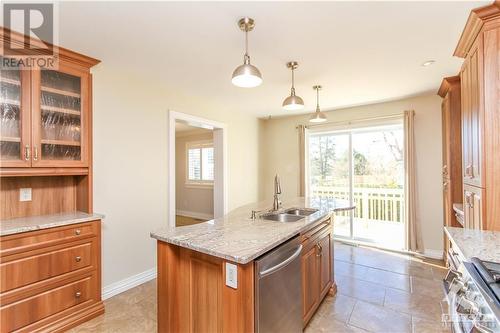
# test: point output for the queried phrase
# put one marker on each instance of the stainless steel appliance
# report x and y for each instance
(473, 295)
(278, 289)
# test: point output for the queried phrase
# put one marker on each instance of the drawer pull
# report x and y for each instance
(78, 294)
(78, 259)
(77, 232)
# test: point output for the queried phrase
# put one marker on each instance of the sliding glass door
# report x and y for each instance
(365, 166)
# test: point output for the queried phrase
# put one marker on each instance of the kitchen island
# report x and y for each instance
(207, 277)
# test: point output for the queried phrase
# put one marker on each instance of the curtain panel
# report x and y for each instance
(413, 226)
(302, 129)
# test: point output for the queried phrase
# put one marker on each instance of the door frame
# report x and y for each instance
(221, 159)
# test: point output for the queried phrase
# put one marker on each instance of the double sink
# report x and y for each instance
(289, 215)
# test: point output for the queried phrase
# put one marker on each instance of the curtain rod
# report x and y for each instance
(348, 122)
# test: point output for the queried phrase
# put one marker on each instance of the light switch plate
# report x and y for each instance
(231, 275)
(25, 194)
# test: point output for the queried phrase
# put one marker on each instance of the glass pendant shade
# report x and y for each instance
(246, 75)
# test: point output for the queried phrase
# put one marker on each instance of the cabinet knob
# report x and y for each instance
(78, 259)
(77, 232)
(78, 294)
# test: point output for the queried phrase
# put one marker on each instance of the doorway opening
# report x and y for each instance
(365, 165)
(197, 169)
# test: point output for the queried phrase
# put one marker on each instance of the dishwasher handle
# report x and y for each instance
(282, 264)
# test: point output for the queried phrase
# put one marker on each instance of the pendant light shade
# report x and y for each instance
(246, 75)
(318, 116)
(293, 102)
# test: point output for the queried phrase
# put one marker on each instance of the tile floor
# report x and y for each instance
(377, 292)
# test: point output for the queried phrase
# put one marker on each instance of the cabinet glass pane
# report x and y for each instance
(61, 116)
(10, 114)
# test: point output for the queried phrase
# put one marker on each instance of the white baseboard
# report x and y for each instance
(128, 283)
(194, 215)
(433, 254)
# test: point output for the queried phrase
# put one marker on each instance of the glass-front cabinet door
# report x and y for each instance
(60, 117)
(15, 149)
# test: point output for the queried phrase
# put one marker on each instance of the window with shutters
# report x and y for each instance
(200, 163)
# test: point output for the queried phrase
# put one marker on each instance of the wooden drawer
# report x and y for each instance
(19, 314)
(23, 271)
(311, 233)
(43, 238)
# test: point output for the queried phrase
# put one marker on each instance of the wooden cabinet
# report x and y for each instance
(317, 267)
(60, 105)
(15, 117)
(479, 45)
(474, 213)
(472, 118)
(452, 147)
(310, 285)
(50, 278)
(45, 114)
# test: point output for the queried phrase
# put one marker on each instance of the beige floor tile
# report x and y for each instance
(362, 290)
(330, 325)
(419, 305)
(388, 279)
(349, 269)
(420, 325)
(376, 318)
(338, 307)
(425, 286)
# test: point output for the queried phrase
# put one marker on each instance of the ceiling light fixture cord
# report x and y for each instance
(246, 57)
(317, 99)
(293, 82)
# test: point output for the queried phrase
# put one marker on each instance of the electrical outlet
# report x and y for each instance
(25, 194)
(231, 275)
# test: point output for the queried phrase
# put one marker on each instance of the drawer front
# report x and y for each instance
(43, 238)
(20, 272)
(17, 315)
(315, 230)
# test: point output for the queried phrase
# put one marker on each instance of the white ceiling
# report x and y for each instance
(361, 52)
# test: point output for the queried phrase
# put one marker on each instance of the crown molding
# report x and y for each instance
(447, 83)
(16, 38)
(473, 27)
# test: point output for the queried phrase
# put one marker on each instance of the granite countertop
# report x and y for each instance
(238, 238)
(25, 224)
(475, 243)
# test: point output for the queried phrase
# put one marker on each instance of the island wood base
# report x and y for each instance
(193, 296)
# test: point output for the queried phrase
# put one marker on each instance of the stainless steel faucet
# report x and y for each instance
(277, 192)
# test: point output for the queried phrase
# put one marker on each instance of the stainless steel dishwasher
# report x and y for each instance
(278, 289)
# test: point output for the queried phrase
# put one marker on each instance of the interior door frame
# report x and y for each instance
(221, 158)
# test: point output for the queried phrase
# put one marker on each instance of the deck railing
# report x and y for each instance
(381, 204)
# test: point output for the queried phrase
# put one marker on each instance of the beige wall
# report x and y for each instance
(192, 199)
(279, 154)
(130, 163)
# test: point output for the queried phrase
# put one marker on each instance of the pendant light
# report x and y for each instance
(246, 75)
(293, 102)
(318, 116)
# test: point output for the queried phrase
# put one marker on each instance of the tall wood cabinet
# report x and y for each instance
(452, 147)
(50, 279)
(479, 45)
